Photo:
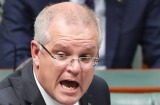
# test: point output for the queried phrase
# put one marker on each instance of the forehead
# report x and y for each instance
(60, 27)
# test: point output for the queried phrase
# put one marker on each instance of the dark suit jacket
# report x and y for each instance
(20, 89)
(129, 23)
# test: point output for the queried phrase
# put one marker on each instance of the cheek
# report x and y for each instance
(49, 75)
(87, 78)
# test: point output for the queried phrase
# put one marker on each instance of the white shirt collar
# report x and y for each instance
(48, 100)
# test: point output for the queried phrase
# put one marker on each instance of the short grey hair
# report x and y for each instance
(45, 17)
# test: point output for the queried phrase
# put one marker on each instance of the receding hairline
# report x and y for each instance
(72, 13)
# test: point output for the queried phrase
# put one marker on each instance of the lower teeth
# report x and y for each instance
(67, 88)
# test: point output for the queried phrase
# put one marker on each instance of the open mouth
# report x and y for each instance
(69, 85)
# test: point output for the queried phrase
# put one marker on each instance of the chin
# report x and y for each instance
(69, 101)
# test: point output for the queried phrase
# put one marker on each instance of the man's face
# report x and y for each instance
(67, 84)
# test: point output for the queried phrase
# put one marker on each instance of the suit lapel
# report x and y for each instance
(32, 95)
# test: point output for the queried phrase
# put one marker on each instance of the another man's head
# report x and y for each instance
(65, 50)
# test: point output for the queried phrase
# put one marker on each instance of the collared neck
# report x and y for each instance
(48, 100)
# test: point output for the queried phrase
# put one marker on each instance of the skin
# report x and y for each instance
(74, 40)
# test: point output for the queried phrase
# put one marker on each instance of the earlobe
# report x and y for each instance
(35, 52)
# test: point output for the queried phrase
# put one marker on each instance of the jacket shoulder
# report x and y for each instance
(8, 97)
(8, 87)
(99, 90)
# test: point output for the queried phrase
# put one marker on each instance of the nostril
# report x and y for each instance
(74, 69)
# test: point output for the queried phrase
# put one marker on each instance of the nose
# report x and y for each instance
(74, 67)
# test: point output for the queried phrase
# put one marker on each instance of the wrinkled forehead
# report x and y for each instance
(67, 40)
(75, 43)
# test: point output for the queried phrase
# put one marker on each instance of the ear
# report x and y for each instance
(35, 52)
